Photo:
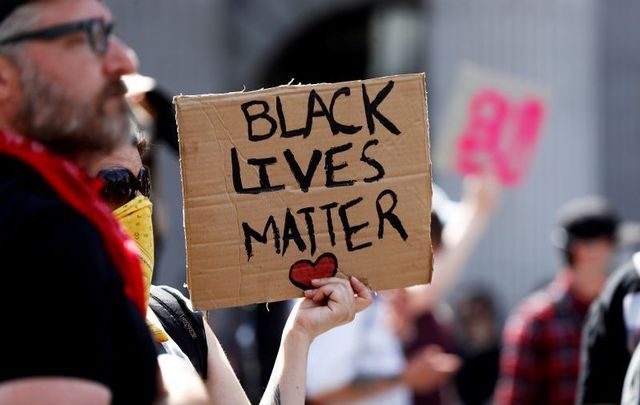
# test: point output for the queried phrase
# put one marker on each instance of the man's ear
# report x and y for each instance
(10, 86)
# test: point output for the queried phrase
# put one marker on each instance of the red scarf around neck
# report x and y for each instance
(76, 189)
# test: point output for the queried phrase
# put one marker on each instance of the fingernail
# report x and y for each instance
(310, 292)
(315, 281)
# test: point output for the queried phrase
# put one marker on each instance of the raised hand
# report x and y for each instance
(333, 302)
(481, 192)
(429, 369)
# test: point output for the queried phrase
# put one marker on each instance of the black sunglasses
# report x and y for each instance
(96, 29)
(121, 186)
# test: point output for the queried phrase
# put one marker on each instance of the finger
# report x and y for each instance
(324, 293)
(339, 292)
(315, 295)
(364, 297)
(320, 296)
(338, 298)
(319, 282)
(433, 350)
(340, 288)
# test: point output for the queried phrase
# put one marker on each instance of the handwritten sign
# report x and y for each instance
(292, 183)
(493, 124)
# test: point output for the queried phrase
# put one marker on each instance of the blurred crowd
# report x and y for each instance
(86, 202)
(427, 345)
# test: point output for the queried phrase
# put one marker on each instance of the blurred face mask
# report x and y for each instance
(135, 216)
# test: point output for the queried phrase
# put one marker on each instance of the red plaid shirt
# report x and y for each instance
(541, 348)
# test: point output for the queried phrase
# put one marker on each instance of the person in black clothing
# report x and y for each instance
(610, 336)
(61, 100)
(90, 330)
(479, 345)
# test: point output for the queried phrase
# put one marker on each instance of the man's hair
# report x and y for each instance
(23, 18)
(584, 219)
(436, 230)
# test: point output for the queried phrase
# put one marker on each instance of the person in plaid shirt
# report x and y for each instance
(541, 341)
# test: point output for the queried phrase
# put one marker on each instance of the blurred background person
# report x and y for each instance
(610, 337)
(541, 341)
(631, 386)
(363, 363)
(478, 344)
(412, 321)
(420, 314)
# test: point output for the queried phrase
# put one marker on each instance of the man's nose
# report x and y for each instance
(118, 60)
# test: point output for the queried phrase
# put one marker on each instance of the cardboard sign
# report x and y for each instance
(493, 124)
(292, 183)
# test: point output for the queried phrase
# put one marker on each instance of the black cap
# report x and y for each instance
(9, 6)
(586, 218)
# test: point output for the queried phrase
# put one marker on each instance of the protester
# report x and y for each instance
(541, 341)
(611, 334)
(478, 342)
(127, 191)
(363, 363)
(631, 386)
(62, 107)
(427, 321)
(60, 90)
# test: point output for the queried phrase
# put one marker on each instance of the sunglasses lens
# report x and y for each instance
(144, 178)
(120, 186)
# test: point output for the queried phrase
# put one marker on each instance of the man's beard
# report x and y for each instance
(70, 127)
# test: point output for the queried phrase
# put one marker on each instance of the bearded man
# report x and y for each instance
(76, 333)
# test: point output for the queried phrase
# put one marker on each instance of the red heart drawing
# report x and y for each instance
(303, 271)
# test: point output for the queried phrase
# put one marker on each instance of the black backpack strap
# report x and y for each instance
(184, 326)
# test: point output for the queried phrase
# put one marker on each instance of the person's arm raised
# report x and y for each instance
(333, 302)
(459, 238)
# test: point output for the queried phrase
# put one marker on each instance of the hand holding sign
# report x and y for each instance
(280, 185)
(493, 125)
(333, 302)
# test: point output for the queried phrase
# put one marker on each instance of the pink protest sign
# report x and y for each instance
(493, 124)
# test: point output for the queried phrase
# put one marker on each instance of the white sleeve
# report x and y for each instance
(333, 357)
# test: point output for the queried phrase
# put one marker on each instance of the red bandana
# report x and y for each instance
(76, 189)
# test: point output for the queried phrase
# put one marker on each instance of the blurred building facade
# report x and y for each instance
(583, 50)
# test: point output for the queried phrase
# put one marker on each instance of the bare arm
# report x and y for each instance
(179, 383)
(460, 236)
(53, 391)
(331, 303)
(223, 385)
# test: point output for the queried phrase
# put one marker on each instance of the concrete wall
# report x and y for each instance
(180, 43)
(551, 42)
(620, 104)
(259, 28)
